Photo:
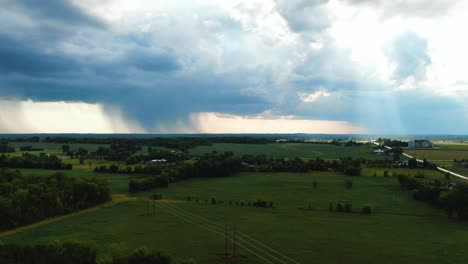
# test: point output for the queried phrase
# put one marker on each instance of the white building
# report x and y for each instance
(419, 143)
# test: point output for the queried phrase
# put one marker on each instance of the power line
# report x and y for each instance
(241, 233)
(221, 228)
(219, 233)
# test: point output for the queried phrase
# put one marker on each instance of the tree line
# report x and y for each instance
(207, 166)
(79, 253)
(5, 148)
(28, 199)
(27, 160)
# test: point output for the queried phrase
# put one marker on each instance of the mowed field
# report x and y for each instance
(301, 150)
(443, 154)
(400, 230)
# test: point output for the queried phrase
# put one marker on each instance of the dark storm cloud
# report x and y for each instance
(17, 57)
(62, 11)
(152, 61)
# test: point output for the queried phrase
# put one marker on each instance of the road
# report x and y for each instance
(421, 161)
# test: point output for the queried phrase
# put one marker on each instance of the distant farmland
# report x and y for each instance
(301, 150)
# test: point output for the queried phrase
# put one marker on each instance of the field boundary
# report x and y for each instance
(116, 199)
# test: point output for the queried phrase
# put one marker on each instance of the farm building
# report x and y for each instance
(379, 151)
(420, 143)
(157, 161)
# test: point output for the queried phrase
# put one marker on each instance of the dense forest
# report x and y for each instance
(27, 199)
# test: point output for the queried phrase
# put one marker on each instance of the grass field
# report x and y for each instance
(451, 145)
(301, 150)
(443, 153)
(439, 154)
(400, 230)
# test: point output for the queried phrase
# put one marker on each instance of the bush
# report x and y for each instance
(419, 175)
(416, 194)
(349, 184)
(340, 207)
(347, 208)
(315, 184)
(366, 209)
(69, 252)
(144, 256)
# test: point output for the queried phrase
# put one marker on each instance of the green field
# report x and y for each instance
(438, 154)
(301, 150)
(443, 153)
(400, 230)
(451, 145)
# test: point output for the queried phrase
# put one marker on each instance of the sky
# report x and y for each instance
(238, 66)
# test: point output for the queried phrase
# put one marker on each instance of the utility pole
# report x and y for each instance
(226, 252)
(235, 240)
(147, 208)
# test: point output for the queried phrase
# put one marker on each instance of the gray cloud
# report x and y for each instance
(304, 16)
(420, 8)
(410, 52)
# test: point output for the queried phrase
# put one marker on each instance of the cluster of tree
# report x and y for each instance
(453, 199)
(30, 148)
(259, 203)
(351, 167)
(425, 191)
(78, 253)
(116, 152)
(352, 143)
(27, 160)
(27, 199)
(396, 152)
(342, 207)
(208, 166)
(377, 163)
(5, 148)
(80, 152)
(461, 163)
(393, 143)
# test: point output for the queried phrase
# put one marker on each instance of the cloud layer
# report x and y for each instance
(372, 65)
